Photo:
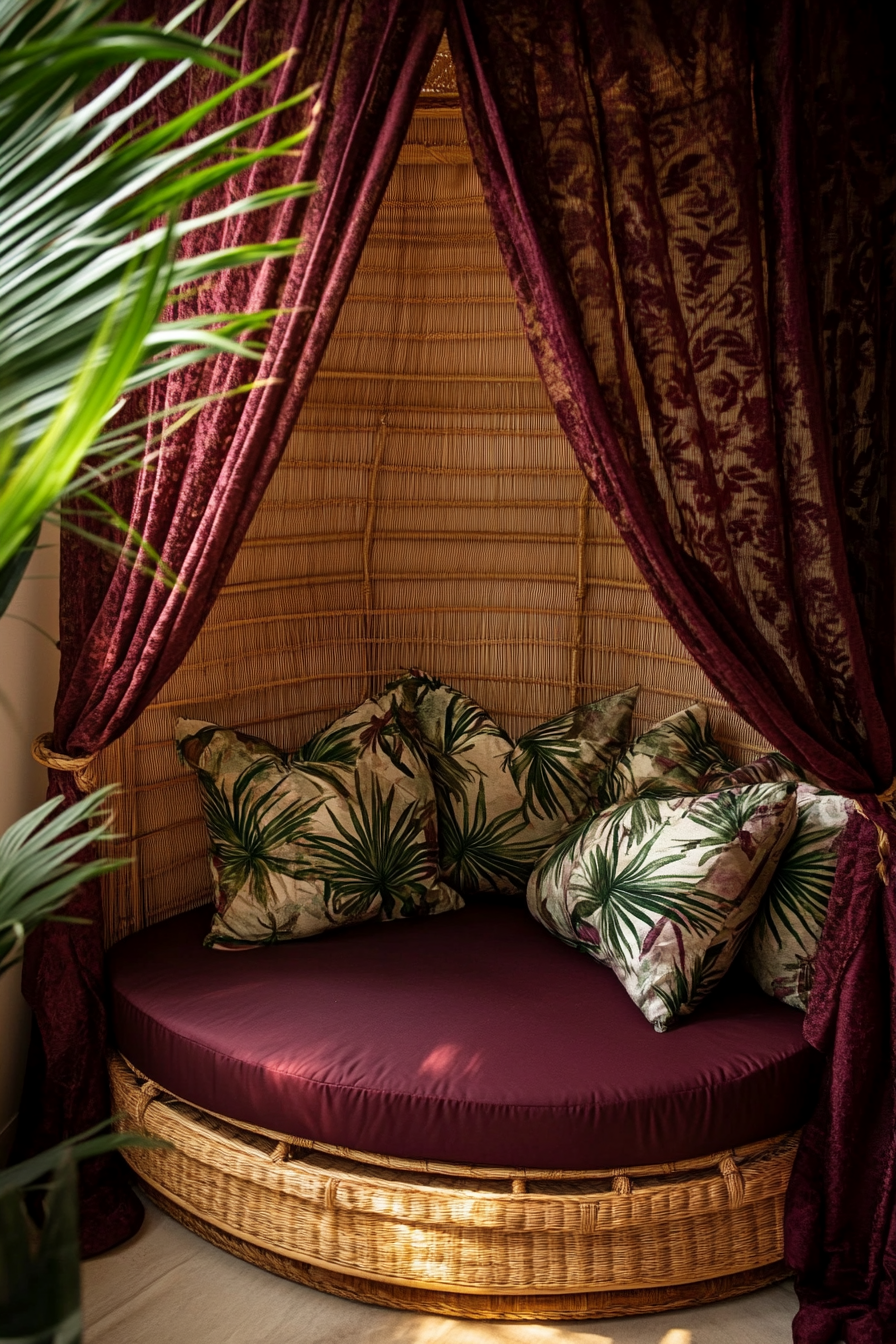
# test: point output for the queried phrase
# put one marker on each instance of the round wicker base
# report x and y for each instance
(462, 1241)
(491, 1307)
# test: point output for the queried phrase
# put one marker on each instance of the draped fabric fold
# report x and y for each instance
(695, 205)
(123, 634)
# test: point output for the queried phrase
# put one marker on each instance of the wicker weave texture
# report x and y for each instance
(428, 512)
(471, 1234)
(484, 1306)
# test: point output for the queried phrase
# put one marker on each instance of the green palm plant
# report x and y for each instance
(624, 893)
(91, 218)
(378, 857)
(38, 868)
(250, 840)
(477, 851)
(90, 222)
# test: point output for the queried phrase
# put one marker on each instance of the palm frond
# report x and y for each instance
(250, 840)
(374, 857)
(90, 223)
(478, 852)
(798, 894)
(543, 766)
(689, 988)
(39, 868)
(619, 896)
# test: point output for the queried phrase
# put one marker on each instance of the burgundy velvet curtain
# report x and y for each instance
(122, 635)
(694, 201)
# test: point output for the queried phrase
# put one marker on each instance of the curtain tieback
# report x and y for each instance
(883, 840)
(79, 766)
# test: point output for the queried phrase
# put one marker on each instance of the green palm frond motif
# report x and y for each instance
(330, 757)
(375, 856)
(566, 847)
(689, 988)
(482, 853)
(334, 745)
(277, 932)
(451, 739)
(641, 814)
(608, 788)
(394, 733)
(724, 815)
(250, 840)
(695, 741)
(798, 895)
(624, 895)
(546, 766)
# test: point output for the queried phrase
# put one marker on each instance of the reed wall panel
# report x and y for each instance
(428, 512)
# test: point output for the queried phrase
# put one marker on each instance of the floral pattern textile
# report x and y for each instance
(673, 756)
(341, 831)
(663, 890)
(501, 805)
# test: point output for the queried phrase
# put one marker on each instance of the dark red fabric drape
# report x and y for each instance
(122, 635)
(694, 201)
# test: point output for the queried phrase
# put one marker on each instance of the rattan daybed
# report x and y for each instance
(569, 1149)
(551, 1156)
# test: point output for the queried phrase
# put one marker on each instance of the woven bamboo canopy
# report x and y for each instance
(428, 512)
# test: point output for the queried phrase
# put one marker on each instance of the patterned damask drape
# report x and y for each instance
(694, 200)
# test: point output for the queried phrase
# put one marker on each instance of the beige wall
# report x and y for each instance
(29, 668)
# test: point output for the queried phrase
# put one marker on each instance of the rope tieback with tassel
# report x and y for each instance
(887, 800)
(80, 766)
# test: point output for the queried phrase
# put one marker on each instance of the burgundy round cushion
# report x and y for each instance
(468, 1037)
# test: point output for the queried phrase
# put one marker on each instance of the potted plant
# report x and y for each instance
(91, 214)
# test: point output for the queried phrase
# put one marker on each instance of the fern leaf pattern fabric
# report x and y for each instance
(663, 890)
(343, 830)
(502, 804)
(673, 756)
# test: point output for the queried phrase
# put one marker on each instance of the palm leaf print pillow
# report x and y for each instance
(773, 765)
(780, 951)
(502, 804)
(343, 830)
(663, 890)
(673, 756)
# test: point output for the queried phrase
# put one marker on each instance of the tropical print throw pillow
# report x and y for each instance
(782, 944)
(673, 756)
(502, 804)
(663, 890)
(773, 765)
(343, 830)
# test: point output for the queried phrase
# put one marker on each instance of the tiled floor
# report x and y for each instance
(169, 1287)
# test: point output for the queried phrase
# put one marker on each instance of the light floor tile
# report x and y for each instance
(168, 1286)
